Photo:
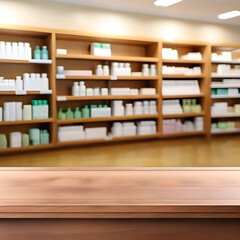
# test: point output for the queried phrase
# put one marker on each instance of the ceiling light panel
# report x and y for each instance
(166, 3)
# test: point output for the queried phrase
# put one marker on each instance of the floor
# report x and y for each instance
(187, 152)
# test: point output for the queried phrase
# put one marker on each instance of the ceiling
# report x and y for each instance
(203, 10)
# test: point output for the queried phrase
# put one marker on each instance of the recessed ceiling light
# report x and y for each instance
(228, 15)
(166, 3)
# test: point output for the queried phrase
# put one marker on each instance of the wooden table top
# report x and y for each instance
(119, 193)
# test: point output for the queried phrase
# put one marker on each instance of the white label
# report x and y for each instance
(45, 91)
(61, 98)
(21, 92)
(113, 77)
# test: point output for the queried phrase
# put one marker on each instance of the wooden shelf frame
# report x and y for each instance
(131, 49)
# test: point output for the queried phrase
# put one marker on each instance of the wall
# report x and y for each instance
(44, 13)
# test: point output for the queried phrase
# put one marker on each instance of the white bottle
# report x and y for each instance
(6, 111)
(2, 50)
(8, 50)
(96, 92)
(121, 70)
(146, 107)
(18, 111)
(114, 69)
(153, 70)
(44, 82)
(21, 51)
(27, 51)
(12, 111)
(99, 70)
(33, 82)
(14, 50)
(27, 112)
(82, 89)
(26, 81)
(19, 83)
(128, 70)
(75, 89)
(1, 114)
(145, 70)
(105, 70)
(38, 81)
(129, 109)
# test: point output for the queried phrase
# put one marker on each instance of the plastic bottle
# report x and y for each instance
(61, 114)
(37, 53)
(44, 137)
(21, 53)
(75, 89)
(2, 50)
(35, 110)
(99, 70)
(14, 50)
(105, 70)
(25, 140)
(82, 89)
(27, 51)
(85, 112)
(3, 141)
(153, 70)
(145, 70)
(45, 109)
(77, 113)
(69, 113)
(44, 53)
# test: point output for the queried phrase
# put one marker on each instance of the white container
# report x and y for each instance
(96, 92)
(129, 109)
(104, 91)
(21, 52)
(14, 50)
(75, 89)
(82, 89)
(27, 51)
(6, 111)
(19, 83)
(153, 70)
(89, 91)
(138, 108)
(44, 82)
(128, 69)
(18, 111)
(60, 69)
(114, 69)
(26, 81)
(99, 70)
(2, 50)
(145, 70)
(1, 114)
(105, 71)
(8, 50)
(15, 139)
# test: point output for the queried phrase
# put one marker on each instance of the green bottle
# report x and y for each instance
(69, 113)
(77, 113)
(35, 109)
(61, 114)
(44, 137)
(37, 53)
(44, 53)
(25, 139)
(85, 112)
(3, 141)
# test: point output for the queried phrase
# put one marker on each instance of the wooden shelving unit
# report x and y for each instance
(230, 99)
(137, 51)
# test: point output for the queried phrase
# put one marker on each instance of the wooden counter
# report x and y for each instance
(95, 203)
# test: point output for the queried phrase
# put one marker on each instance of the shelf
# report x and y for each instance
(109, 97)
(107, 119)
(224, 96)
(214, 75)
(112, 58)
(35, 61)
(173, 76)
(94, 77)
(117, 139)
(219, 132)
(184, 134)
(27, 93)
(230, 115)
(226, 62)
(225, 86)
(183, 115)
(6, 123)
(29, 148)
(183, 61)
(184, 96)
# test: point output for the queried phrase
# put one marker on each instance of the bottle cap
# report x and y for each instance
(97, 45)
(34, 102)
(69, 110)
(86, 106)
(45, 102)
(60, 109)
(40, 102)
(77, 109)
(106, 45)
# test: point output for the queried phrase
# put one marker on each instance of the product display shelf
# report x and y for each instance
(107, 119)
(108, 97)
(213, 75)
(116, 139)
(94, 77)
(6, 123)
(112, 58)
(28, 148)
(23, 93)
(229, 115)
(224, 96)
(184, 115)
(181, 76)
(227, 131)
(225, 86)
(183, 61)
(184, 134)
(201, 95)
(226, 62)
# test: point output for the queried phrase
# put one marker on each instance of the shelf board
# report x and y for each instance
(108, 97)
(6, 123)
(219, 132)
(231, 115)
(112, 58)
(94, 77)
(14, 61)
(225, 86)
(183, 115)
(29, 148)
(117, 139)
(226, 62)
(173, 76)
(224, 96)
(184, 134)
(184, 96)
(107, 119)
(183, 61)
(214, 75)
(28, 93)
